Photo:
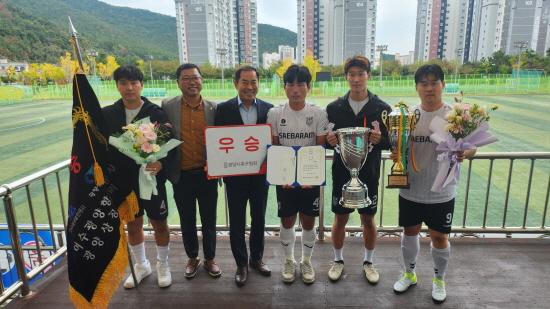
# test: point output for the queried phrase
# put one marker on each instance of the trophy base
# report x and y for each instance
(355, 200)
(398, 181)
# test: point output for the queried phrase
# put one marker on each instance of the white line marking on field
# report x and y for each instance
(35, 123)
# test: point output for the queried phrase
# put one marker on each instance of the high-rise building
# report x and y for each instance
(470, 30)
(246, 31)
(333, 30)
(525, 21)
(286, 52)
(443, 29)
(220, 32)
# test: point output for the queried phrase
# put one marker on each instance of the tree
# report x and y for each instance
(284, 66)
(210, 71)
(106, 69)
(313, 65)
(70, 66)
(11, 74)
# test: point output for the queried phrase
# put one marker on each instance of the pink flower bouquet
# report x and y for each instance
(145, 142)
(465, 127)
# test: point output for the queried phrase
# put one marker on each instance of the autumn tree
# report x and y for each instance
(283, 67)
(105, 70)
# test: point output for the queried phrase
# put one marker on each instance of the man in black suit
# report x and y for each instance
(241, 110)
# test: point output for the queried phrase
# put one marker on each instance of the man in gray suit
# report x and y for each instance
(189, 115)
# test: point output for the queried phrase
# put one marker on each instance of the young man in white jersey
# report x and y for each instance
(298, 123)
(419, 204)
(358, 108)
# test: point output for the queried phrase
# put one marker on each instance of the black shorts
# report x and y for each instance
(157, 206)
(438, 216)
(292, 201)
(338, 209)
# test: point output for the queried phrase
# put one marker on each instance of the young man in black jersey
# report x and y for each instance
(132, 106)
(357, 108)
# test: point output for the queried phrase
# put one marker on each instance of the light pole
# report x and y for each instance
(222, 52)
(458, 62)
(381, 49)
(521, 45)
(93, 54)
(151, 67)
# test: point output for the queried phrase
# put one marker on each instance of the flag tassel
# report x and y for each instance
(98, 175)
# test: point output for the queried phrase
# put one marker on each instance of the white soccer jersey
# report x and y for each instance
(298, 128)
(426, 161)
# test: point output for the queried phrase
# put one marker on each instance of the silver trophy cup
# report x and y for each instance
(354, 148)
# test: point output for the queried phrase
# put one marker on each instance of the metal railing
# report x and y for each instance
(540, 173)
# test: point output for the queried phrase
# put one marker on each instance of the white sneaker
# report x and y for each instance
(407, 279)
(438, 290)
(335, 272)
(141, 270)
(371, 273)
(289, 271)
(308, 273)
(164, 277)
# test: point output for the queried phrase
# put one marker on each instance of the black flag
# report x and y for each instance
(100, 201)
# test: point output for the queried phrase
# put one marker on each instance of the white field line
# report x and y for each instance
(34, 123)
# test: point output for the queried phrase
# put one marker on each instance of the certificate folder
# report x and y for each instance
(297, 165)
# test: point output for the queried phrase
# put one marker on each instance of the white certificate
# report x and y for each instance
(298, 166)
(281, 165)
(311, 166)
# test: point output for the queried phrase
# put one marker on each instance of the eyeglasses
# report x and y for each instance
(187, 79)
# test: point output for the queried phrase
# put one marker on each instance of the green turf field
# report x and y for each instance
(37, 134)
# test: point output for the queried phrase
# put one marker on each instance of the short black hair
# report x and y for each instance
(429, 69)
(246, 68)
(358, 61)
(187, 66)
(297, 73)
(128, 72)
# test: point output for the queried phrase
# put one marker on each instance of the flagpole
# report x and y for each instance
(97, 168)
(76, 47)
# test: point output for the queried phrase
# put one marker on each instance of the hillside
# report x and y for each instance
(270, 37)
(38, 31)
(108, 29)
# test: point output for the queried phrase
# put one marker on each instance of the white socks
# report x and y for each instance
(308, 241)
(410, 245)
(441, 259)
(338, 254)
(369, 254)
(139, 253)
(288, 239)
(162, 253)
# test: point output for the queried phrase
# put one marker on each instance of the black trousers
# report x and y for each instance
(241, 190)
(193, 186)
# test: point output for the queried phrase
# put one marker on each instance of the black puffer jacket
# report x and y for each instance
(341, 115)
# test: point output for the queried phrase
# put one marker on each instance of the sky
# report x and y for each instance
(394, 27)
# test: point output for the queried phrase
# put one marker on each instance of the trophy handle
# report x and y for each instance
(416, 118)
(384, 117)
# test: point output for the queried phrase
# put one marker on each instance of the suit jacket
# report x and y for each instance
(228, 113)
(172, 107)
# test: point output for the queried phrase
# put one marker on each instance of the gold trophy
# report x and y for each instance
(400, 123)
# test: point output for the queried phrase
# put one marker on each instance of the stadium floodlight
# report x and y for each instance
(381, 49)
